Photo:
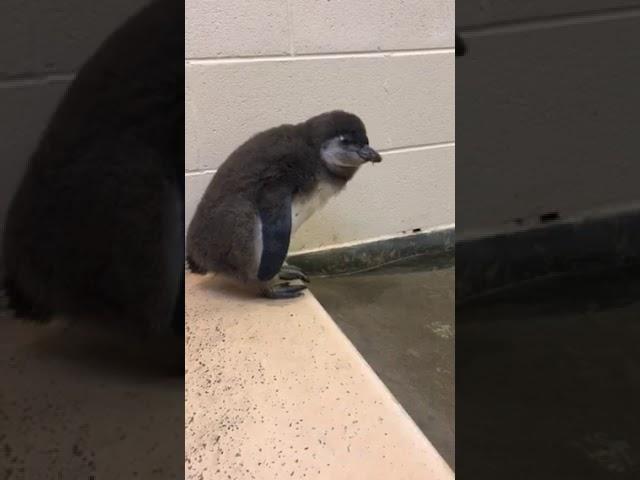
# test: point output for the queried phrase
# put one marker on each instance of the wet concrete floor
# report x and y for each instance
(401, 319)
(548, 377)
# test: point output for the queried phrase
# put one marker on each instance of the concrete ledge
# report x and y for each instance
(487, 264)
(85, 403)
(275, 390)
(369, 255)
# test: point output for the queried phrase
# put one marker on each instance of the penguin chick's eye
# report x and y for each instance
(343, 139)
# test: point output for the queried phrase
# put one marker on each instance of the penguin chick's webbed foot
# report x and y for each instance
(283, 290)
(291, 272)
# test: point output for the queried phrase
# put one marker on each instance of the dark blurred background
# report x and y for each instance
(548, 239)
(73, 404)
(42, 46)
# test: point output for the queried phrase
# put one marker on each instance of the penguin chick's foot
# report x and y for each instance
(291, 272)
(283, 290)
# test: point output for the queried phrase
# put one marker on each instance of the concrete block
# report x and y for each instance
(238, 28)
(405, 100)
(361, 25)
(194, 185)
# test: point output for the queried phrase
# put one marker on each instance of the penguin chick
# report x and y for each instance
(265, 190)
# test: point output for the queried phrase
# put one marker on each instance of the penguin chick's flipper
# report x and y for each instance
(283, 290)
(291, 272)
(275, 217)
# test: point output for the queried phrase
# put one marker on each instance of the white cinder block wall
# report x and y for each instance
(251, 65)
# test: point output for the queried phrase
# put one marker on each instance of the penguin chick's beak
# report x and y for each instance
(368, 154)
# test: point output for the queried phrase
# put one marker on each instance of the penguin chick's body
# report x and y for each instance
(265, 190)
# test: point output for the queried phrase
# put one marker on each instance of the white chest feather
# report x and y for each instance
(304, 206)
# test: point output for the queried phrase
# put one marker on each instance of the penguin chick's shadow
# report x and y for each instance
(107, 352)
(226, 286)
(252, 291)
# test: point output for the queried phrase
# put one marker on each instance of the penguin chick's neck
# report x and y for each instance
(343, 173)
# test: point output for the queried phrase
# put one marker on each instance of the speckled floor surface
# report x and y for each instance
(275, 390)
(401, 319)
(79, 405)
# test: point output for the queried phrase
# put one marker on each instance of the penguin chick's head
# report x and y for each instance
(342, 140)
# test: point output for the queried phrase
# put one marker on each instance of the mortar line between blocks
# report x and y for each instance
(196, 173)
(417, 148)
(318, 56)
(36, 79)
